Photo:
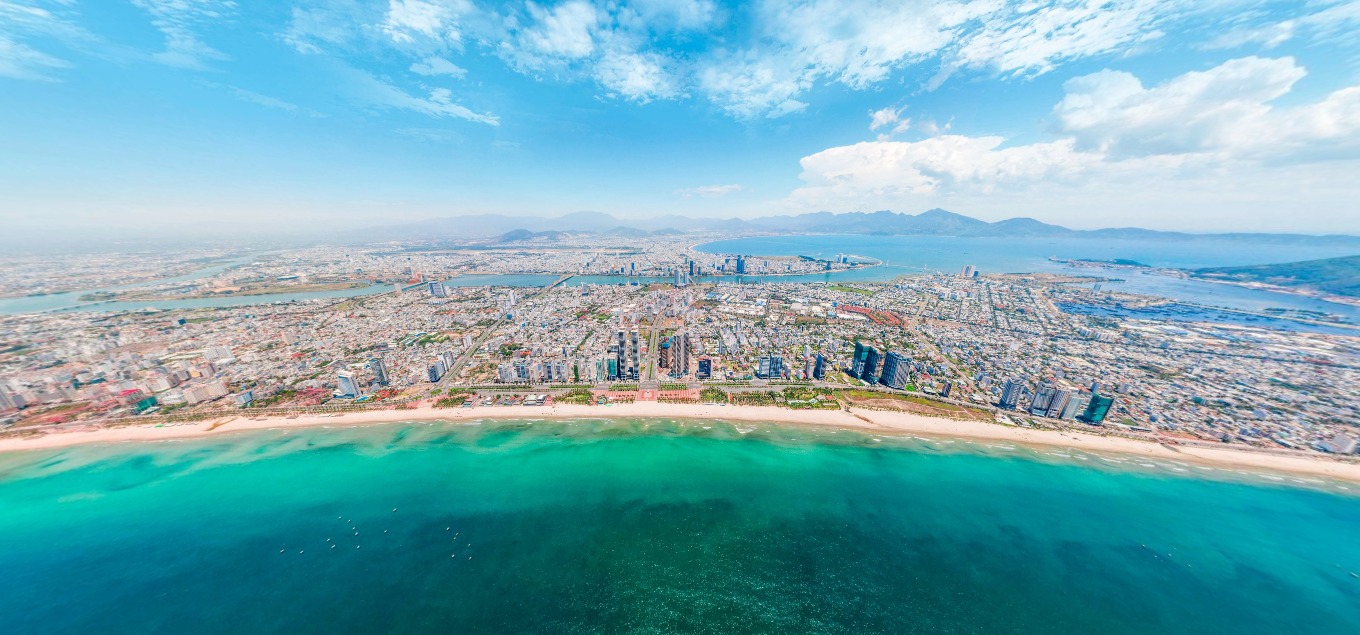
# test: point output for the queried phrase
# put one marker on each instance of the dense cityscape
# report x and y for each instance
(533, 321)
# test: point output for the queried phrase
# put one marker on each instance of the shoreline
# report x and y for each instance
(889, 423)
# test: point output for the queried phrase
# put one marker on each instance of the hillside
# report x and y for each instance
(934, 222)
(1340, 276)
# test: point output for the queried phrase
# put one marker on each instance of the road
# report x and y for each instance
(462, 361)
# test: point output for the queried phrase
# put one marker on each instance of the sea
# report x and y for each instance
(660, 526)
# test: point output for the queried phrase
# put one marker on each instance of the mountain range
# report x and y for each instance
(934, 222)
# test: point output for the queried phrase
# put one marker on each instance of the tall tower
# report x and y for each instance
(1010, 393)
(379, 371)
(346, 385)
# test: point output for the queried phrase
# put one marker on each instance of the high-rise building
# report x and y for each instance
(346, 385)
(1096, 410)
(741, 265)
(869, 374)
(770, 367)
(634, 366)
(1043, 398)
(968, 271)
(437, 289)
(691, 268)
(819, 369)
(1075, 405)
(1010, 393)
(379, 371)
(1059, 404)
(625, 352)
(896, 371)
(857, 362)
(946, 387)
(705, 368)
(680, 355)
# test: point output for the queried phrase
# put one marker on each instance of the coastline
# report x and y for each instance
(889, 423)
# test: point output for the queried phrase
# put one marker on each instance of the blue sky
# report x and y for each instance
(206, 114)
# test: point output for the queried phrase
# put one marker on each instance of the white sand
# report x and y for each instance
(877, 421)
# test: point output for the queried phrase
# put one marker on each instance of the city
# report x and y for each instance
(575, 321)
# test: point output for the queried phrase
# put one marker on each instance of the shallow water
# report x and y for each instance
(659, 526)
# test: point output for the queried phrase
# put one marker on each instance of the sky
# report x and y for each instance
(216, 115)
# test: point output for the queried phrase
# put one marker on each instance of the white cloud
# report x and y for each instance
(439, 103)
(179, 21)
(1267, 36)
(20, 61)
(258, 99)
(561, 34)
(1316, 21)
(1202, 134)
(614, 44)
(640, 77)
(889, 169)
(315, 28)
(754, 88)
(413, 21)
(1226, 110)
(435, 65)
(1339, 21)
(23, 23)
(1195, 112)
(859, 43)
(675, 14)
(1029, 40)
(708, 191)
(643, 50)
(886, 117)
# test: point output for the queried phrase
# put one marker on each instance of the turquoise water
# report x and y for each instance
(658, 527)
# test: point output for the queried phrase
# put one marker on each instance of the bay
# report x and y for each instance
(910, 254)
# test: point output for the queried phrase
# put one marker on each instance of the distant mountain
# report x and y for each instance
(1339, 276)
(934, 222)
(521, 235)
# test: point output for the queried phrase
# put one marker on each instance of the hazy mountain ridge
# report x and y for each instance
(934, 222)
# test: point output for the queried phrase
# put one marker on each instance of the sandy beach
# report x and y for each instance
(866, 420)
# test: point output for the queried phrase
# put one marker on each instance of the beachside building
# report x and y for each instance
(346, 385)
(896, 371)
(1097, 409)
(1011, 393)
